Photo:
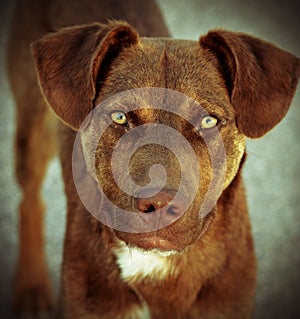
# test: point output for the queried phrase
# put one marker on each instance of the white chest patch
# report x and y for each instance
(141, 312)
(136, 263)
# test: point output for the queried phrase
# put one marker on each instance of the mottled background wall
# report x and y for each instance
(272, 171)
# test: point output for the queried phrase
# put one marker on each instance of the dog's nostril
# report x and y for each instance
(172, 211)
(161, 203)
(149, 209)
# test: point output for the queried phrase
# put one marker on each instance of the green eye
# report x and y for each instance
(119, 117)
(208, 122)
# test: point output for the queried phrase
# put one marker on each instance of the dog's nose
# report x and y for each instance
(163, 202)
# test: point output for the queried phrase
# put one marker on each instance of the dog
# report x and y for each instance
(166, 260)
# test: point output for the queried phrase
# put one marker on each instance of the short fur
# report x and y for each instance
(208, 264)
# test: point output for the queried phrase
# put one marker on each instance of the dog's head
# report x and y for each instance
(214, 93)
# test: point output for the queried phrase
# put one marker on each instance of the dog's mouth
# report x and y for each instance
(172, 239)
(155, 244)
(158, 243)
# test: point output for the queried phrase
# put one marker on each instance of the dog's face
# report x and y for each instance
(241, 86)
(195, 77)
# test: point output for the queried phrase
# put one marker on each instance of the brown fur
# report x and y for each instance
(241, 79)
(31, 20)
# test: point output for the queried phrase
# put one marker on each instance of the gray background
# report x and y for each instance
(271, 173)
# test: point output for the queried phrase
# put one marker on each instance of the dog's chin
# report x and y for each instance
(149, 243)
(162, 249)
(157, 243)
(165, 240)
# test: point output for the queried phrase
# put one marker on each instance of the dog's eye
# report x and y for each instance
(208, 122)
(119, 117)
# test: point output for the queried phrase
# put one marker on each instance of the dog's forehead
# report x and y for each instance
(180, 65)
(168, 42)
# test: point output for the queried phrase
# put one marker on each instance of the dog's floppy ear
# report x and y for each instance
(261, 78)
(72, 61)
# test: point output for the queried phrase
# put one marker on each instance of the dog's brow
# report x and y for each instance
(146, 115)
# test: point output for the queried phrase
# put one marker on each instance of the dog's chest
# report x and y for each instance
(161, 279)
(150, 266)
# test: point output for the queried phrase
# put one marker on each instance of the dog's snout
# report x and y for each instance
(164, 202)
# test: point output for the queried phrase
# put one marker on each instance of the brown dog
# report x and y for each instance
(194, 267)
